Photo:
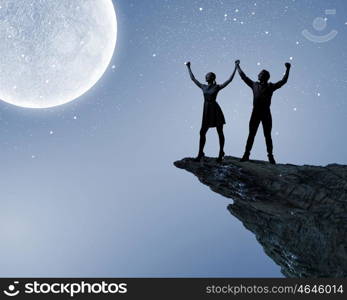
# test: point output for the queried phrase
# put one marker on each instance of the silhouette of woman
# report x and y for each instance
(212, 113)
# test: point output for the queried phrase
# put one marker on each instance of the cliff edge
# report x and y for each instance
(298, 213)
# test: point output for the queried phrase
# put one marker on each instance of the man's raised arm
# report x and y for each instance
(247, 80)
(284, 80)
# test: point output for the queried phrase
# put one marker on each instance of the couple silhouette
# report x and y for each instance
(213, 115)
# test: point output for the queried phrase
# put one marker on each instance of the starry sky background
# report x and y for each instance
(88, 188)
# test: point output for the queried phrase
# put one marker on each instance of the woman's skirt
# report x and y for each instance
(212, 115)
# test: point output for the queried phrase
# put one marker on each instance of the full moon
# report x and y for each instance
(53, 51)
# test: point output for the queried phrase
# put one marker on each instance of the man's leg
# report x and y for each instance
(253, 128)
(267, 128)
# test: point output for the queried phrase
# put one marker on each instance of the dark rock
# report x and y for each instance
(298, 213)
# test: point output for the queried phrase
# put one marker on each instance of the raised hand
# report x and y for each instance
(237, 62)
(187, 64)
(288, 65)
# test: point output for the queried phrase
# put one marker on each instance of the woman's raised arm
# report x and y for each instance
(192, 77)
(222, 86)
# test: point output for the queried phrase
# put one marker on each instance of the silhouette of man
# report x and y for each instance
(262, 94)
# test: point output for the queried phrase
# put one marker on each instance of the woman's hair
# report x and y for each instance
(213, 76)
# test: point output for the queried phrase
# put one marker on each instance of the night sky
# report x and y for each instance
(89, 189)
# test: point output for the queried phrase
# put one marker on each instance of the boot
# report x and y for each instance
(221, 156)
(200, 156)
(271, 159)
(245, 157)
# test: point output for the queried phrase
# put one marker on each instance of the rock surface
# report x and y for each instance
(298, 213)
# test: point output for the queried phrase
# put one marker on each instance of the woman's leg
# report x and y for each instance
(221, 138)
(202, 142)
(221, 143)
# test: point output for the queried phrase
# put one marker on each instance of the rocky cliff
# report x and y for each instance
(298, 213)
